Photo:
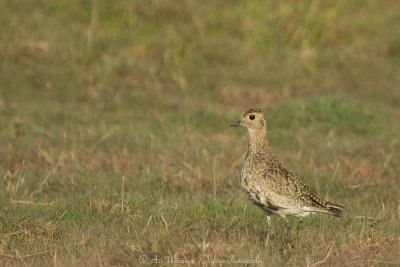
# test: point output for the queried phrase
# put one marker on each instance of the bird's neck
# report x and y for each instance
(258, 142)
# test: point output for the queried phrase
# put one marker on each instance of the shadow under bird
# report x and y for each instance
(270, 185)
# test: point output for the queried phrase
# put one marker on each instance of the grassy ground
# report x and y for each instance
(114, 138)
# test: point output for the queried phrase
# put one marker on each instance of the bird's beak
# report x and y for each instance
(236, 124)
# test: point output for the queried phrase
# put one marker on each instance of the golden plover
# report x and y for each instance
(271, 186)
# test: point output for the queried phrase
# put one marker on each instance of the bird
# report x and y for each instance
(270, 185)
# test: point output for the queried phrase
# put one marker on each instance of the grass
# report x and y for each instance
(115, 145)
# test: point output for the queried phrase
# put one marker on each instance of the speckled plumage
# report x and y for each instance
(270, 185)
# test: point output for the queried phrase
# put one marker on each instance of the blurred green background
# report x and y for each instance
(114, 137)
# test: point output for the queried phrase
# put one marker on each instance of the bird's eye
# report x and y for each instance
(252, 117)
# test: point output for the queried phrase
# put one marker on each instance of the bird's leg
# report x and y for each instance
(268, 230)
(289, 230)
(299, 225)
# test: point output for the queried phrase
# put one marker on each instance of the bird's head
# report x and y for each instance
(253, 119)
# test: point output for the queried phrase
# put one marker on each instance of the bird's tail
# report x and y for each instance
(334, 209)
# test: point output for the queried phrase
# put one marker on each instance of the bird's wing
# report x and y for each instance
(286, 184)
